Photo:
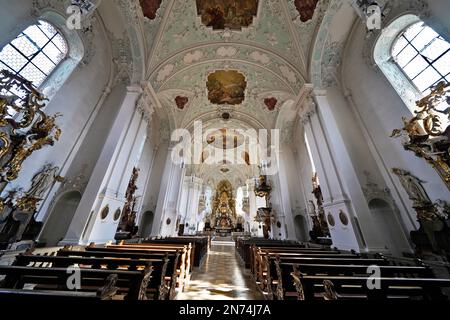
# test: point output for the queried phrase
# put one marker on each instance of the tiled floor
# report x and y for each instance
(221, 277)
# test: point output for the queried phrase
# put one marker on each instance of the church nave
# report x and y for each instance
(224, 150)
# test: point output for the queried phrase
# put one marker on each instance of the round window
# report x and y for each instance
(168, 221)
(279, 225)
(105, 212)
(330, 219)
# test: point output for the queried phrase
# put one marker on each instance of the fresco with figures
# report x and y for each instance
(226, 87)
(231, 14)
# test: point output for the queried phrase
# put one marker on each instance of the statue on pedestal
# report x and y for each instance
(431, 221)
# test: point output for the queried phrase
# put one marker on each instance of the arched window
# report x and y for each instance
(35, 53)
(423, 55)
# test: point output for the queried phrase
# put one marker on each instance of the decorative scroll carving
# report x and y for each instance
(24, 127)
(145, 281)
(268, 279)
(298, 284)
(425, 134)
(108, 291)
(279, 292)
(164, 288)
(173, 287)
(330, 293)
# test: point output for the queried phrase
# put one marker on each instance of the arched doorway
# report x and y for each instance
(387, 224)
(300, 228)
(147, 223)
(60, 218)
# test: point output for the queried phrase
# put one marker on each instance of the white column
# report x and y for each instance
(254, 226)
(166, 209)
(87, 212)
(284, 216)
(335, 199)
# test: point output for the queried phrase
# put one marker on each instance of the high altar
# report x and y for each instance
(223, 216)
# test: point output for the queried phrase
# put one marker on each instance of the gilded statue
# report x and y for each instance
(224, 206)
(24, 127)
(427, 134)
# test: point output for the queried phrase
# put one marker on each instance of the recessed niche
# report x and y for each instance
(117, 214)
(343, 217)
(330, 219)
(227, 14)
(226, 87)
(104, 213)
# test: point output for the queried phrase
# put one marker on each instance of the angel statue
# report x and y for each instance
(43, 181)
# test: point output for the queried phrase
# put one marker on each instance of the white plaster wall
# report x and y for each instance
(381, 109)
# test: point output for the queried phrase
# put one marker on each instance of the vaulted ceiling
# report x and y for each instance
(273, 48)
(272, 53)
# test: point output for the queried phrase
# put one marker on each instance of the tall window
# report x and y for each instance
(35, 53)
(423, 55)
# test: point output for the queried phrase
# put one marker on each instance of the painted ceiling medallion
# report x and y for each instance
(181, 102)
(306, 9)
(150, 7)
(226, 87)
(271, 103)
(227, 14)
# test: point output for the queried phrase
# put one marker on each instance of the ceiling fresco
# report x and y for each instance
(266, 44)
(227, 14)
(150, 7)
(183, 29)
(306, 9)
(226, 87)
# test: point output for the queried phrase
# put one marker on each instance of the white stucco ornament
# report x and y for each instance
(165, 72)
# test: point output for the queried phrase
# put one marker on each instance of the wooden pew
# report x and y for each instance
(172, 279)
(345, 287)
(108, 282)
(186, 257)
(244, 247)
(283, 286)
(200, 245)
(158, 286)
(261, 263)
(180, 272)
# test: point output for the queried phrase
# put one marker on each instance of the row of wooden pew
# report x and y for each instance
(142, 271)
(287, 271)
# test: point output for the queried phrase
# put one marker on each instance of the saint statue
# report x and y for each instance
(413, 186)
(43, 181)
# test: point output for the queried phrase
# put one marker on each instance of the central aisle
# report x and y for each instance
(221, 277)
